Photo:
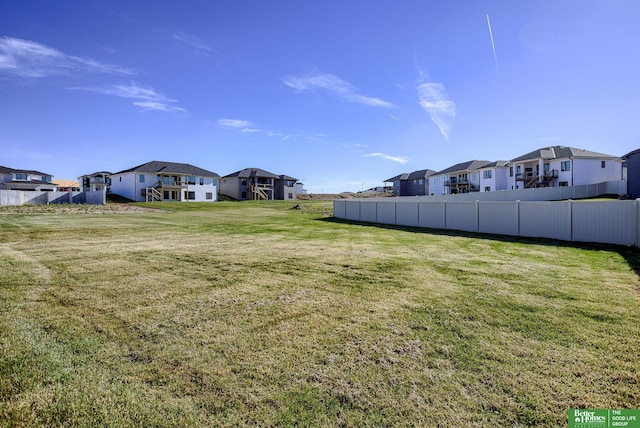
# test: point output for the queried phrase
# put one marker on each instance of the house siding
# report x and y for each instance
(633, 174)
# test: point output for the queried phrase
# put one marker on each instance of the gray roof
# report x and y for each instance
(97, 173)
(495, 164)
(423, 173)
(7, 170)
(398, 177)
(286, 177)
(558, 152)
(170, 167)
(465, 166)
(634, 152)
(252, 172)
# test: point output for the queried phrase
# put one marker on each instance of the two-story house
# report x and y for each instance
(257, 184)
(97, 181)
(24, 179)
(463, 177)
(166, 181)
(562, 166)
(415, 183)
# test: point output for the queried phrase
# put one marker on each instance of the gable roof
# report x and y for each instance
(556, 152)
(252, 172)
(7, 170)
(398, 177)
(98, 173)
(465, 166)
(169, 167)
(423, 173)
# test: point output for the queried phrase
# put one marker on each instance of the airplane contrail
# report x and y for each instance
(493, 45)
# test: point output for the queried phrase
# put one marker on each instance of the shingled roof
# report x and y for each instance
(7, 170)
(170, 167)
(559, 152)
(465, 166)
(252, 172)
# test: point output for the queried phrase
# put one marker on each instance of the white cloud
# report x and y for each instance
(334, 85)
(28, 59)
(198, 45)
(145, 98)
(240, 125)
(433, 98)
(399, 159)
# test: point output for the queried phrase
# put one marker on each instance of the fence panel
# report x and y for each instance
(387, 212)
(353, 211)
(462, 216)
(432, 215)
(369, 211)
(339, 209)
(498, 217)
(407, 213)
(545, 220)
(605, 222)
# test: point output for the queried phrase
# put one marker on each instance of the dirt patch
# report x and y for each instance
(112, 208)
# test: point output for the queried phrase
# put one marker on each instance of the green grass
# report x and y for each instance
(251, 313)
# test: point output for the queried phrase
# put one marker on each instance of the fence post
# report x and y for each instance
(570, 205)
(477, 216)
(518, 216)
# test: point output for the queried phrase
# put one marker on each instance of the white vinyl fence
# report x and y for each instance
(21, 197)
(607, 222)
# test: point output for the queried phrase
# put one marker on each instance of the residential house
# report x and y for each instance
(97, 181)
(24, 179)
(415, 183)
(166, 181)
(494, 176)
(562, 166)
(256, 184)
(632, 161)
(463, 177)
(285, 188)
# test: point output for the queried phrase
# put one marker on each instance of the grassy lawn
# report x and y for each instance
(230, 314)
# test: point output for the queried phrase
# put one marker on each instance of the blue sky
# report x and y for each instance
(339, 94)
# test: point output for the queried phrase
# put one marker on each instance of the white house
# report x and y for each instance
(97, 181)
(494, 176)
(24, 179)
(562, 166)
(166, 181)
(463, 177)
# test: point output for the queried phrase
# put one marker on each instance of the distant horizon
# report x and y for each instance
(339, 95)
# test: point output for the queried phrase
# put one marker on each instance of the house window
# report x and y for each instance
(421, 182)
(209, 195)
(518, 169)
(243, 182)
(46, 178)
(201, 181)
(244, 195)
(487, 189)
(141, 178)
(120, 179)
(563, 184)
(486, 174)
(191, 179)
(290, 195)
(510, 171)
(215, 181)
(602, 164)
(190, 195)
(21, 176)
(565, 166)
